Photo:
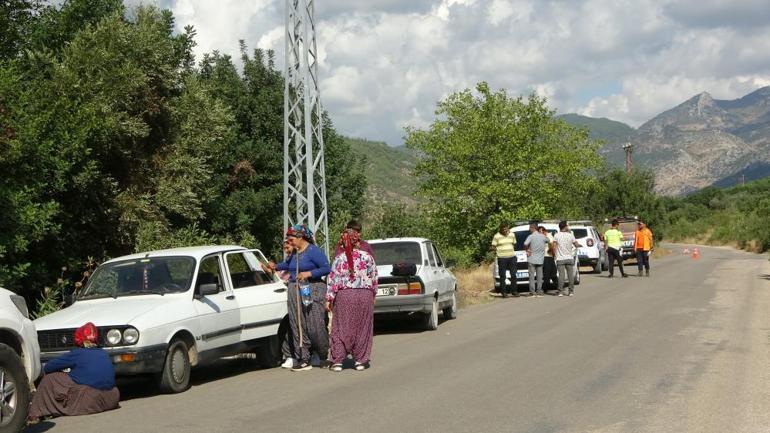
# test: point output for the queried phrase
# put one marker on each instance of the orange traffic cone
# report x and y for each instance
(695, 254)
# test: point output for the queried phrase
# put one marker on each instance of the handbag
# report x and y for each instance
(404, 269)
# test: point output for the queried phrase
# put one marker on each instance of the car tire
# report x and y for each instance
(431, 318)
(450, 312)
(14, 379)
(175, 377)
(269, 355)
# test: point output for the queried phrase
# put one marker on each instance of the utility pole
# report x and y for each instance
(629, 148)
(304, 178)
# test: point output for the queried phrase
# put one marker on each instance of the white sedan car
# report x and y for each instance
(19, 360)
(163, 312)
(427, 289)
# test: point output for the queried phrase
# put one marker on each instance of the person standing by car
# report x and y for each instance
(614, 240)
(313, 266)
(351, 295)
(535, 244)
(503, 244)
(88, 388)
(549, 264)
(287, 346)
(565, 258)
(355, 225)
(643, 247)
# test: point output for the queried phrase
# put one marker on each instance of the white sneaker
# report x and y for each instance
(289, 363)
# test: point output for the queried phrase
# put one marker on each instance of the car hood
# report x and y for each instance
(105, 312)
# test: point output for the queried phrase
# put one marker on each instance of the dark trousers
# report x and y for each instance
(550, 280)
(613, 255)
(642, 260)
(504, 266)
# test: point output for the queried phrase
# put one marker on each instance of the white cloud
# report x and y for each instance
(385, 63)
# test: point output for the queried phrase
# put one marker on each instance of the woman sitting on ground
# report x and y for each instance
(352, 289)
(88, 388)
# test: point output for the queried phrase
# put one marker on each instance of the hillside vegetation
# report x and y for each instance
(737, 216)
(388, 170)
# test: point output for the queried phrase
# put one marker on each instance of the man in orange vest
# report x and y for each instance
(643, 248)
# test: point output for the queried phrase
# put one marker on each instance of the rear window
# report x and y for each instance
(627, 227)
(388, 253)
(580, 233)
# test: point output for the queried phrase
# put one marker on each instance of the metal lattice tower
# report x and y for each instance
(304, 178)
(629, 148)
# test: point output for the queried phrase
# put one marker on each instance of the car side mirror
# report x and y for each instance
(69, 299)
(207, 289)
(450, 263)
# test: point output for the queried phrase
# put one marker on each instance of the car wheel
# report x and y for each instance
(14, 390)
(450, 312)
(269, 355)
(175, 377)
(431, 318)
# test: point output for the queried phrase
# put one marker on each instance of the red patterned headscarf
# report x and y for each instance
(350, 240)
(86, 334)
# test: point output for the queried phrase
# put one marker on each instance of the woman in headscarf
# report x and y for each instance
(306, 267)
(352, 289)
(88, 388)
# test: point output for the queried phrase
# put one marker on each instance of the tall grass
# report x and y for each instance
(473, 284)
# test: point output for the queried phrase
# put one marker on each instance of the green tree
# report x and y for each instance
(490, 157)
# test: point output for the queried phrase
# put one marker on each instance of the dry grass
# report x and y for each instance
(473, 285)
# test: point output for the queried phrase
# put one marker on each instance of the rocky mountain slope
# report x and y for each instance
(701, 142)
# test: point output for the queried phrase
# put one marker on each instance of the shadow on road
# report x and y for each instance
(139, 387)
(765, 277)
(40, 427)
(400, 324)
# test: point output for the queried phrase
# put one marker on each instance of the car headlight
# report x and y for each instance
(130, 336)
(21, 304)
(113, 337)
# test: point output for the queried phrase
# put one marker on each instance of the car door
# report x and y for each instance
(430, 275)
(218, 314)
(261, 297)
(447, 280)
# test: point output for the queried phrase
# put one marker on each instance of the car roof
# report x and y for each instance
(195, 252)
(379, 241)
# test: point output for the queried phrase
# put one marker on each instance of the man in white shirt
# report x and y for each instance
(565, 258)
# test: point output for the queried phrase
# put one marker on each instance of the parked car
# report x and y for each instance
(163, 312)
(627, 226)
(427, 288)
(522, 274)
(591, 251)
(19, 361)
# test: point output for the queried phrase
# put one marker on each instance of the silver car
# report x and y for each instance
(430, 288)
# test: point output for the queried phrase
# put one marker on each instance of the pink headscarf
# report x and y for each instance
(350, 240)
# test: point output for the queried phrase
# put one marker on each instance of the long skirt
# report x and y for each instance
(315, 335)
(353, 325)
(58, 395)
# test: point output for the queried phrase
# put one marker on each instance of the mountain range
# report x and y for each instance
(701, 142)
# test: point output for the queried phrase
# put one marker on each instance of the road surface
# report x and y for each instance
(685, 350)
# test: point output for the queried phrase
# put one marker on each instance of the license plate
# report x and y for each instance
(386, 290)
(522, 274)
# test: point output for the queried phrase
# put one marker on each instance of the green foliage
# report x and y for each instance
(389, 170)
(113, 141)
(618, 194)
(737, 215)
(490, 158)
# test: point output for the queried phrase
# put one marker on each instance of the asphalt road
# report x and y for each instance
(685, 350)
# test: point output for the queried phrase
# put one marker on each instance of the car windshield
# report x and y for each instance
(153, 275)
(388, 253)
(629, 227)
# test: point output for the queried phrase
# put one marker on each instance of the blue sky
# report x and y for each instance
(385, 63)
